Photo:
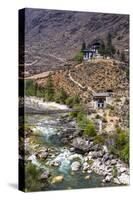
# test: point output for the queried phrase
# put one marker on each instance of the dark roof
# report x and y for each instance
(87, 50)
(96, 43)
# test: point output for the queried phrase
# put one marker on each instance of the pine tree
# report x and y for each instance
(102, 49)
(123, 57)
(83, 46)
(118, 53)
(110, 49)
(49, 91)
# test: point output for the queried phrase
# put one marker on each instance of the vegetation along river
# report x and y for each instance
(52, 163)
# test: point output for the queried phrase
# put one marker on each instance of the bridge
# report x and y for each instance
(31, 110)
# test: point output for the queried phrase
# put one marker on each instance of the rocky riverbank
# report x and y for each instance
(64, 156)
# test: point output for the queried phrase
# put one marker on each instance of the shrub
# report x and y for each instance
(124, 154)
(90, 129)
(79, 109)
(60, 96)
(82, 120)
(99, 139)
(98, 116)
(30, 89)
(120, 146)
(90, 162)
(79, 57)
(72, 101)
(32, 175)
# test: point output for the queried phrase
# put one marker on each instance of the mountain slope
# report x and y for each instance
(53, 36)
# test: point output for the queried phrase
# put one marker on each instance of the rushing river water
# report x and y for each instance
(49, 137)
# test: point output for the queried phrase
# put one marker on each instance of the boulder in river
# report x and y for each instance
(72, 149)
(124, 179)
(81, 145)
(75, 166)
(107, 178)
(87, 177)
(57, 179)
(44, 176)
(85, 166)
(42, 154)
(106, 157)
(56, 163)
(75, 157)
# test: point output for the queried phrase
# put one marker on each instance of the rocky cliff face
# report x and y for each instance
(53, 37)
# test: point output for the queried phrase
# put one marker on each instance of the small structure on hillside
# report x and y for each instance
(100, 100)
(91, 51)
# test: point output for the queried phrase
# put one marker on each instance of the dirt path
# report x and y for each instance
(79, 84)
(39, 76)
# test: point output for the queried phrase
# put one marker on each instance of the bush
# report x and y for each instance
(61, 96)
(90, 162)
(124, 154)
(79, 57)
(30, 89)
(72, 101)
(90, 129)
(82, 120)
(120, 146)
(98, 116)
(32, 174)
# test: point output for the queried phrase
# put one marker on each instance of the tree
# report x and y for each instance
(36, 89)
(90, 129)
(102, 49)
(118, 53)
(83, 46)
(49, 89)
(61, 96)
(120, 145)
(123, 57)
(110, 49)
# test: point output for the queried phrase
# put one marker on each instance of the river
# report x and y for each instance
(47, 132)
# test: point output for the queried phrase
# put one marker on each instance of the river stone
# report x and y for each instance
(56, 163)
(74, 156)
(108, 178)
(64, 140)
(106, 157)
(57, 179)
(116, 181)
(42, 155)
(85, 166)
(105, 149)
(75, 166)
(72, 149)
(81, 144)
(45, 175)
(87, 177)
(108, 162)
(124, 179)
(89, 171)
(113, 162)
(123, 169)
